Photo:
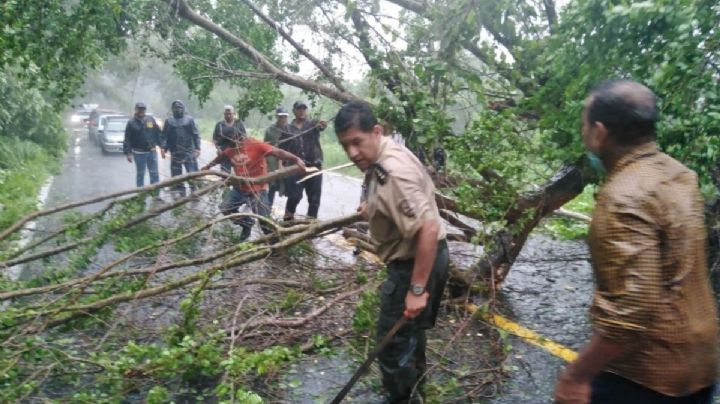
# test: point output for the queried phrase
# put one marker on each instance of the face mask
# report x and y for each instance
(595, 163)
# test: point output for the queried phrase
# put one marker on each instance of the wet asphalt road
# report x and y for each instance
(87, 172)
(547, 291)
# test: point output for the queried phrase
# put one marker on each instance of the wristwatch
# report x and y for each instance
(417, 290)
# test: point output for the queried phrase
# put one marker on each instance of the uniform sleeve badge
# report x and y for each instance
(407, 208)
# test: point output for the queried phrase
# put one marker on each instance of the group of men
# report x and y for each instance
(297, 142)
(179, 137)
(654, 316)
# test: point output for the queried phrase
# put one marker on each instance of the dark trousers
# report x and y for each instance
(609, 388)
(294, 191)
(256, 201)
(403, 361)
(177, 162)
(274, 187)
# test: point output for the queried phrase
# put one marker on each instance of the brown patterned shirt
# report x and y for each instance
(647, 242)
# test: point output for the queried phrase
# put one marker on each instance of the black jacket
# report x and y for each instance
(222, 141)
(181, 135)
(141, 135)
(303, 142)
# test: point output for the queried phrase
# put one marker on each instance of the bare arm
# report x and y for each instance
(595, 356)
(284, 155)
(217, 160)
(427, 239)
(573, 385)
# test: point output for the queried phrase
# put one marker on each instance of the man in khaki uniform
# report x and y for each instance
(406, 228)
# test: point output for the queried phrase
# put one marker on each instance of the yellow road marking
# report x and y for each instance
(527, 335)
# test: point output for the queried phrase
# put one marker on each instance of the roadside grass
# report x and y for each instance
(24, 168)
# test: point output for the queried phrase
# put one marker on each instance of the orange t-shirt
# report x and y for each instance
(249, 161)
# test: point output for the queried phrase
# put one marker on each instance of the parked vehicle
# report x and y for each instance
(111, 133)
(95, 121)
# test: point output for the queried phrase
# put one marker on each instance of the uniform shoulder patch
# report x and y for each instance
(380, 173)
(406, 208)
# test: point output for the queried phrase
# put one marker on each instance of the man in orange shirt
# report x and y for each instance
(248, 160)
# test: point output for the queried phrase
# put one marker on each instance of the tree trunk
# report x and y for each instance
(526, 214)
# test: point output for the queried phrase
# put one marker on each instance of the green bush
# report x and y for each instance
(32, 142)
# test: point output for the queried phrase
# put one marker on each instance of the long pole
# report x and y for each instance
(366, 365)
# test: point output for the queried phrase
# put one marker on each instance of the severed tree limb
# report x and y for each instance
(524, 217)
(572, 215)
(263, 63)
(104, 274)
(147, 216)
(230, 178)
(279, 29)
(58, 317)
(301, 321)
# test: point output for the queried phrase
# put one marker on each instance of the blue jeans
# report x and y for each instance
(177, 161)
(257, 201)
(143, 160)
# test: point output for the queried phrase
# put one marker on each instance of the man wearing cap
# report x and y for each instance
(303, 139)
(221, 142)
(142, 136)
(272, 137)
(182, 139)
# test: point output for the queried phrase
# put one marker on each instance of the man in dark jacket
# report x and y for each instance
(142, 136)
(272, 136)
(182, 139)
(303, 139)
(220, 140)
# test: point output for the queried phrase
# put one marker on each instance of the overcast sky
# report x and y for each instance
(353, 65)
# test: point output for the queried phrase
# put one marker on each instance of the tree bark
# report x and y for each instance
(524, 217)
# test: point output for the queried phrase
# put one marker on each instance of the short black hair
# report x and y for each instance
(355, 114)
(627, 108)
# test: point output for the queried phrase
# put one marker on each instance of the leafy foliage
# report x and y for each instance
(55, 44)
(670, 45)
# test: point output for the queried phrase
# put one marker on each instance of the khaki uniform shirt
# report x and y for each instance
(652, 290)
(401, 196)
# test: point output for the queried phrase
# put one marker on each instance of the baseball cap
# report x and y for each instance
(229, 108)
(140, 105)
(281, 111)
(299, 104)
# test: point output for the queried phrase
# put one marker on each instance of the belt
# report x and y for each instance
(141, 151)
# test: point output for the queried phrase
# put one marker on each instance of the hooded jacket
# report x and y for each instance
(180, 134)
